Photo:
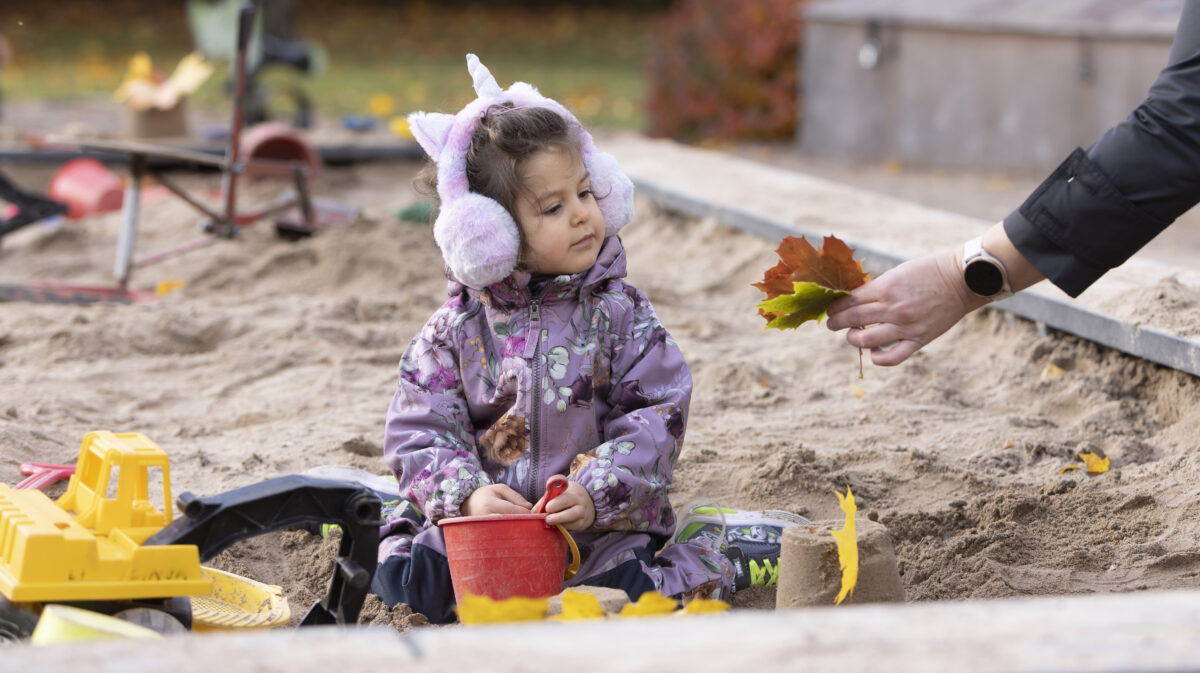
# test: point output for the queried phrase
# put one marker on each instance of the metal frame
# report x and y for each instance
(223, 223)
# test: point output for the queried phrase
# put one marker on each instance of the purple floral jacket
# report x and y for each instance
(574, 375)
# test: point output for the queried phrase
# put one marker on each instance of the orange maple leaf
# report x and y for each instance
(832, 271)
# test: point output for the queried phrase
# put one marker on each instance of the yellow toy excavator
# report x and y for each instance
(112, 542)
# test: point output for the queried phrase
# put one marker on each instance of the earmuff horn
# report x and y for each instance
(481, 77)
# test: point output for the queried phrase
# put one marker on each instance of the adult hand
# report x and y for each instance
(495, 499)
(573, 509)
(905, 308)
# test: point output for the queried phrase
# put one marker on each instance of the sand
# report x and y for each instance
(278, 356)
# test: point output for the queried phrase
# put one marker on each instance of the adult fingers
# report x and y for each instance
(844, 311)
(874, 336)
(858, 316)
(888, 344)
(895, 353)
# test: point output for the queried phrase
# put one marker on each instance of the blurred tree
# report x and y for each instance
(725, 69)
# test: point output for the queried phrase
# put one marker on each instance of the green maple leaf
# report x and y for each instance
(808, 301)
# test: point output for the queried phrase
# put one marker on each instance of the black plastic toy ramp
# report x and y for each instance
(30, 207)
(216, 522)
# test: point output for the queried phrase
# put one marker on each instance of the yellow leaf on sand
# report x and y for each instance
(650, 604)
(1068, 468)
(1095, 464)
(858, 392)
(847, 547)
(579, 605)
(166, 287)
(483, 610)
(1051, 371)
(705, 606)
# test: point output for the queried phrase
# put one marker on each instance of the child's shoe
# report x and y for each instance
(750, 540)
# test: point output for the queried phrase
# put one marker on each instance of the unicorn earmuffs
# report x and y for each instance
(478, 237)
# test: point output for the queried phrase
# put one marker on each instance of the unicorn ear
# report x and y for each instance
(481, 77)
(431, 129)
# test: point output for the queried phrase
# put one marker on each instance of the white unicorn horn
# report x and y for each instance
(481, 77)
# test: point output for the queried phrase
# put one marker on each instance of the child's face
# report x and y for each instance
(562, 224)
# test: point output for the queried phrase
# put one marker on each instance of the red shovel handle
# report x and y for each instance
(555, 488)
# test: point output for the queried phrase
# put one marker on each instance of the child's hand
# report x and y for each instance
(495, 499)
(573, 510)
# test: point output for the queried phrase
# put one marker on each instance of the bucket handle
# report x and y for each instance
(574, 567)
(557, 485)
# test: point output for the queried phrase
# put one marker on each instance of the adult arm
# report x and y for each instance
(905, 308)
(1091, 214)
(1102, 205)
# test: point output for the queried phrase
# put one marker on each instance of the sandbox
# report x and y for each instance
(276, 357)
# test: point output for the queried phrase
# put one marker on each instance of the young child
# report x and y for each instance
(543, 362)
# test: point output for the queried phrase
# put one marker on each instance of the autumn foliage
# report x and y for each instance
(807, 280)
(725, 69)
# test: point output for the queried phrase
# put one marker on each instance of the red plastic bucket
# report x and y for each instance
(86, 186)
(505, 555)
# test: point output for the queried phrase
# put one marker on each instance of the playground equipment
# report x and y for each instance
(110, 544)
(276, 141)
(273, 152)
(273, 44)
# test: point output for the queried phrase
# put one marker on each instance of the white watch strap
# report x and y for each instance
(972, 249)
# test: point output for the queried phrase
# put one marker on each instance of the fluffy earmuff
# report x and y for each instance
(478, 237)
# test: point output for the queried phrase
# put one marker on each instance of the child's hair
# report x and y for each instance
(504, 137)
(480, 152)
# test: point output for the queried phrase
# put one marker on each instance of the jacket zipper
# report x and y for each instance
(535, 332)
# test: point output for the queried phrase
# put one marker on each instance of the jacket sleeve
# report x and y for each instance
(1102, 205)
(429, 440)
(648, 394)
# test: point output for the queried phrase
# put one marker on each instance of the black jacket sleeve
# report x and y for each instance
(1101, 206)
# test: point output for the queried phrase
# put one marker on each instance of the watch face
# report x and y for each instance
(983, 278)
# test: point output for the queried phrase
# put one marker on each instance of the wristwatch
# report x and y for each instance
(984, 275)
